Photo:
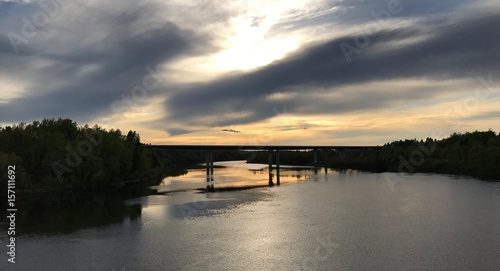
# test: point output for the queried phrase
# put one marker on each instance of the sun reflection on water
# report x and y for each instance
(234, 174)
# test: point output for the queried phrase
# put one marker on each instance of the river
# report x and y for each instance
(334, 220)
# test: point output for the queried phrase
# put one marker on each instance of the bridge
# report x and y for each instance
(209, 149)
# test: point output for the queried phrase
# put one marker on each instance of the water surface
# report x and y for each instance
(341, 220)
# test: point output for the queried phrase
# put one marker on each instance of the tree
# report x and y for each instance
(134, 137)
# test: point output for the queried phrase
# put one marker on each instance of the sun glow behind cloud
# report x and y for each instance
(247, 40)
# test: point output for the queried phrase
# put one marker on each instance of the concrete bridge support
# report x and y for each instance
(270, 157)
(212, 165)
(315, 152)
(210, 170)
(278, 167)
(325, 158)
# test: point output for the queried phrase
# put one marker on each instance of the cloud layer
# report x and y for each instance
(227, 66)
(458, 50)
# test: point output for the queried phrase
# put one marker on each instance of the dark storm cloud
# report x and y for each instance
(129, 53)
(11, 23)
(463, 49)
(7, 49)
(116, 65)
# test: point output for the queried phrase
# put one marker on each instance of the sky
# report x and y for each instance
(309, 72)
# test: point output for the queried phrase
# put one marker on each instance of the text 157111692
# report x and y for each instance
(11, 213)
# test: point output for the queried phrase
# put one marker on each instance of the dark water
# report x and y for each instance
(345, 220)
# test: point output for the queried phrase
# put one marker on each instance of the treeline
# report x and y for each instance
(63, 154)
(475, 154)
(58, 154)
(472, 153)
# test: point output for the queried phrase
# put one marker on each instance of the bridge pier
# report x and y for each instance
(270, 157)
(277, 167)
(210, 170)
(212, 165)
(207, 163)
(315, 157)
(325, 162)
(315, 151)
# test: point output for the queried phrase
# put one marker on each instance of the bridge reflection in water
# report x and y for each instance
(210, 149)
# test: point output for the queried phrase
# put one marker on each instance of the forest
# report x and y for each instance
(58, 154)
